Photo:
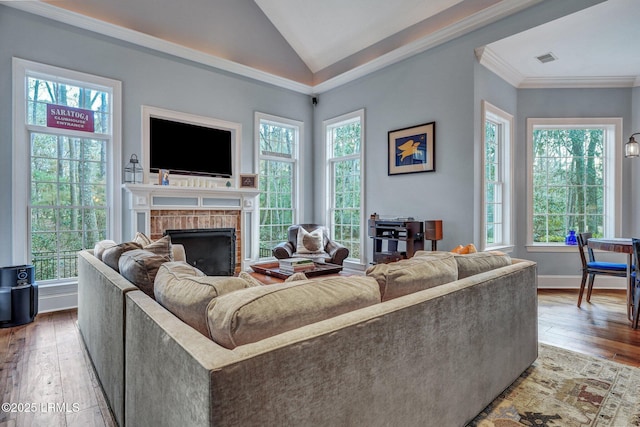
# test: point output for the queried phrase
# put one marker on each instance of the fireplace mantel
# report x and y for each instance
(143, 198)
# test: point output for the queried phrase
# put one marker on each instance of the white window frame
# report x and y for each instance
(328, 190)
(298, 153)
(504, 121)
(612, 174)
(21, 222)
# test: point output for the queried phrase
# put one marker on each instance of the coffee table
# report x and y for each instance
(272, 268)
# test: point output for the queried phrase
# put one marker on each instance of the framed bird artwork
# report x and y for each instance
(412, 149)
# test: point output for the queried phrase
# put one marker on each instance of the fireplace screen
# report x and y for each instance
(211, 250)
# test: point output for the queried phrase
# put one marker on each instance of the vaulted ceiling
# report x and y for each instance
(311, 46)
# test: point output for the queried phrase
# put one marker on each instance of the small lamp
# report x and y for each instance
(632, 148)
(133, 171)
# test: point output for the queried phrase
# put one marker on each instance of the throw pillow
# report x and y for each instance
(100, 247)
(253, 314)
(140, 267)
(296, 276)
(310, 242)
(111, 256)
(142, 239)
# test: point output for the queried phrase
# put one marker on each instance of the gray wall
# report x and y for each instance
(445, 85)
(148, 78)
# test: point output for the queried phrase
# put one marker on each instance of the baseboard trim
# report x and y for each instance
(57, 297)
(573, 282)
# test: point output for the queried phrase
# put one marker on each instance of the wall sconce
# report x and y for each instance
(133, 171)
(632, 148)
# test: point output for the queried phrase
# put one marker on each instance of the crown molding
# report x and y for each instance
(460, 28)
(488, 58)
(473, 22)
(135, 37)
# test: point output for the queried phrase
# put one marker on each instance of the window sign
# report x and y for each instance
(61, 116)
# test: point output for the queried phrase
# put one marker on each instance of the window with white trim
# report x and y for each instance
(345, 182)
(497, 176)
(64, 175)
(278, 141)
(574, 178)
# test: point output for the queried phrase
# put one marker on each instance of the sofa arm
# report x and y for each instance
(283, 250)
(338, 252)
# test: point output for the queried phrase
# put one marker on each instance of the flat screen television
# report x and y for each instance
(189, 149)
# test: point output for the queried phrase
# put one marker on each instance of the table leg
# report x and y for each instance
(630, 287)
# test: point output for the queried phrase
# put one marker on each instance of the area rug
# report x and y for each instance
(564, 388)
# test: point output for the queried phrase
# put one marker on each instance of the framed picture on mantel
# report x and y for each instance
(248, 180)
(412, 149)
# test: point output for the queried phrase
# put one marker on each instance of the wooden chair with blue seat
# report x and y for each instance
(591, 267)
(636, 282)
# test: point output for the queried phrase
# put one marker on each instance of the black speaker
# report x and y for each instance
(18, 295)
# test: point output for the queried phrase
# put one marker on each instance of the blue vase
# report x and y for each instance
(571, 238)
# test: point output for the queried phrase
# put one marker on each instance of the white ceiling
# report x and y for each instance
(594, 47)
(325, 32)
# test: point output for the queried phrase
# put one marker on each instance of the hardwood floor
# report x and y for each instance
(44, 366)
(47, 377)
(599, 328)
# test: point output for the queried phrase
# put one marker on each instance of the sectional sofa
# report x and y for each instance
(427, 342)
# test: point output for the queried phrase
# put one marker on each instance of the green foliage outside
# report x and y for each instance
(68, 198)
(568, 183)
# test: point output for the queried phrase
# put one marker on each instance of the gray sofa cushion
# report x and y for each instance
(479, 262)
(140, 266)
(185, 291)
(414, 274)
(256, 313)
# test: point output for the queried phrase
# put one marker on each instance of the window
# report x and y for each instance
(574, 178)
(345, 178)
(278, 142)
(497, 176)
(64, 169)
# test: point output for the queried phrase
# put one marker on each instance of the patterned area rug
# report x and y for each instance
(563, 388)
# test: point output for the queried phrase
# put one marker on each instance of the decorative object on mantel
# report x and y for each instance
(632, 148)
(163, 177)
(412, 149)
(133, 171)
(248, 180)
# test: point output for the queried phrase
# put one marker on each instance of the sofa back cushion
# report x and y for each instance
(479, 262)
(256, 313)
(140, 266)
(414, 274)
(185, 291)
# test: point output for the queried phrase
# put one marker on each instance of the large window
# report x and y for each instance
(497, 177)
(345, 181)
(574, 178)
(278, 142)
(64, 146)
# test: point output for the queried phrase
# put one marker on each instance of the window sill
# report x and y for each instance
(559, 248)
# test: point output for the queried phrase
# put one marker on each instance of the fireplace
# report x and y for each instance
(211, 250)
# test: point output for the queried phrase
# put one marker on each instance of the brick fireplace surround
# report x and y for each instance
(185, 219)
(156, 208)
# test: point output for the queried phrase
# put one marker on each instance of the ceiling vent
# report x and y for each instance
(547, 57)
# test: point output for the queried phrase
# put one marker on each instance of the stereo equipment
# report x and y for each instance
(18, 295)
